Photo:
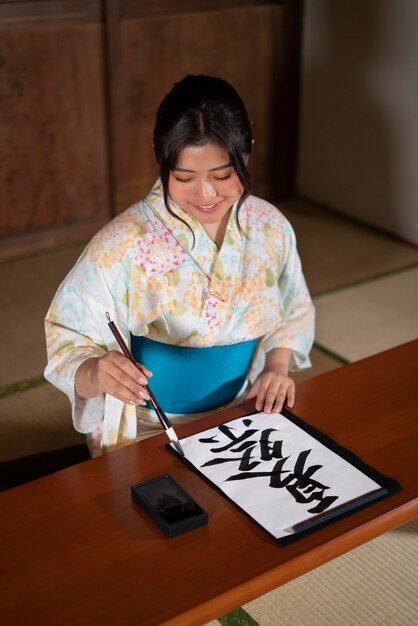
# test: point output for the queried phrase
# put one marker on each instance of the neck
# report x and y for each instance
(217, 231)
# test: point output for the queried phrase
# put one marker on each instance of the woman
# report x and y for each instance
(202, 279)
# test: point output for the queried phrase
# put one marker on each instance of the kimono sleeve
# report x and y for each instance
(76, 330)
(296, 331)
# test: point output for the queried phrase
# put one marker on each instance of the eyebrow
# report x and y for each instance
(214, 169)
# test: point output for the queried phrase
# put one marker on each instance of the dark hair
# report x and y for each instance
(200, 110)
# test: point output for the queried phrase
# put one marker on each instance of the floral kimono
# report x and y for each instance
(155, 279)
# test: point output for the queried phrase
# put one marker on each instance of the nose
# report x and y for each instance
(208, 190)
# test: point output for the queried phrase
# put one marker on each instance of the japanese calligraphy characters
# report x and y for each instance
(275, 471)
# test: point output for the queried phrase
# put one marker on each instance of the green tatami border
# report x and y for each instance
(237, 617)
(22, 385)
(363, 281)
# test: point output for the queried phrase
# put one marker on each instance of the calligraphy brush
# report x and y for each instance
(165, 422)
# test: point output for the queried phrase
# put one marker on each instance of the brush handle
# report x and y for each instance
(165, 422)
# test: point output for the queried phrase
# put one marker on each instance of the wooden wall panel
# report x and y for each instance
(53, 152)
(253, 45)
(80, 82)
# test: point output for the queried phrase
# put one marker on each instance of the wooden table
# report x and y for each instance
(76, 550)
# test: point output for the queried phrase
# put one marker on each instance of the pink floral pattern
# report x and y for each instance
(158, 254)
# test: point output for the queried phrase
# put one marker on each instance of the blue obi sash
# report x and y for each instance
(193, 380)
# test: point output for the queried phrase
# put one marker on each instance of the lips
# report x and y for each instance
(208, 208)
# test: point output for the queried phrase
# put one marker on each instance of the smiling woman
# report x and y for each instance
(202, 279)
(208, 191)
(203, 139)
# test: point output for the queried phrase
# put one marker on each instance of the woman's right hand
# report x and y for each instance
(115, 374)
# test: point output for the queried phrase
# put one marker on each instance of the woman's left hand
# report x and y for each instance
(272, 389)
(273, 385)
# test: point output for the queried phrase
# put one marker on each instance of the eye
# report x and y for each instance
(223, 177)
(182, 180)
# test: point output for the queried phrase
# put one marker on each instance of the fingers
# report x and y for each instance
(291, 393)
(253, 391)
(119, 377)
(273, 389)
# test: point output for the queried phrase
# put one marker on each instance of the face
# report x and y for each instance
(205, 184)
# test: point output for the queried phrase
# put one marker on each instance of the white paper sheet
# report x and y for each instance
(275, 471)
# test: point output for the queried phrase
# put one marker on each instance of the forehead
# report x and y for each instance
(202, 158)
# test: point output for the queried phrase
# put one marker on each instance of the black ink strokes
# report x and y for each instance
(251, 448)
(233, 440)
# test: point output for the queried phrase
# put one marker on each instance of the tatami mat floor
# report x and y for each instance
(365, 288)
(371, 317)
(374, 585)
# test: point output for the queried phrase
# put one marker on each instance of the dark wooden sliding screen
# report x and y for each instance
(80, 81)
